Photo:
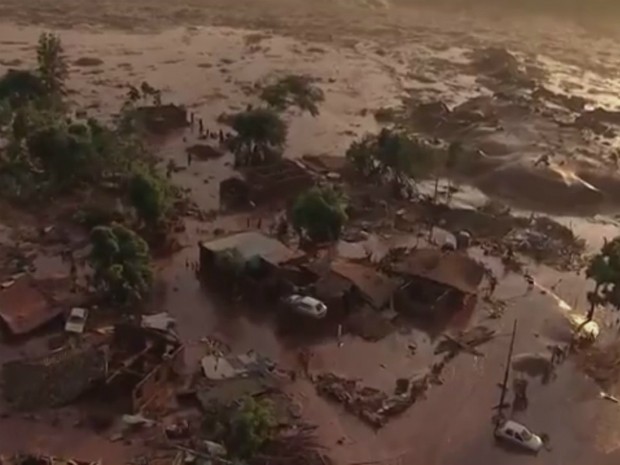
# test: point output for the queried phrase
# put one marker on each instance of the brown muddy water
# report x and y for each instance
(212, 70)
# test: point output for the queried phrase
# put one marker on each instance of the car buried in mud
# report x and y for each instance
(517, 434)
(306, 306)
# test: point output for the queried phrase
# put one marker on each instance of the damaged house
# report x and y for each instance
(262, 184)
(132, 360)
(345, 285)
(250, 258)
(24, 307)
(437, 281)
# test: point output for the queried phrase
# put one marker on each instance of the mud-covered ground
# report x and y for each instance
(367, 54)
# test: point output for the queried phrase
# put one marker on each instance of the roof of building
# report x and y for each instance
(252, 244)
(376, 287)
(23, 307)
(453, 269)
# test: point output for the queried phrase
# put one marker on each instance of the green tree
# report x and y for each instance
(261, 135)
(150, 196)
(251, 426)
(52, 64)
(121, 263)
(392, 156)
(320, 214)
(604, 270)
(294, 90)
(18, 87)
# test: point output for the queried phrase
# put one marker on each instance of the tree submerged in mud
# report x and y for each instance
(150, 196)
(121, 264)
(294, 90)
(260, 139)
(604, 270)
(52, 150)
(392, 156)
(319, 214)
(250, 426)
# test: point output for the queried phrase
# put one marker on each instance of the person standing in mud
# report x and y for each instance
(72, 271)
(189, 158)
(305, 356)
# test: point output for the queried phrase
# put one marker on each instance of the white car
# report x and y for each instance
(519, 435)
(306, 305)
(76, 321)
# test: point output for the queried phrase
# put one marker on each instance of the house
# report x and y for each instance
(249, 257)
(437, 280)
(24, 307)
(132, 360)
(53, 380)
(144, 362)
(343, 285)
(284, 179)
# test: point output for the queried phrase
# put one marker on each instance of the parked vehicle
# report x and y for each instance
(517, 434)
(77, 320)
(306, 305)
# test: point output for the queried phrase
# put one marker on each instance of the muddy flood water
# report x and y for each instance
(209, 59)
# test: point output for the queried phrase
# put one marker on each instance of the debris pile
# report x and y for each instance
(548, 242)
(499, 64)
(465, 341)
(54, 380)
(601, 363)
(371, 405)
(296, 446)
(162, 119)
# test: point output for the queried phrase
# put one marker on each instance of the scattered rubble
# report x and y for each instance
(204, 152)
(371, 405)
(162, 119)
(53, 380)
(465, 341)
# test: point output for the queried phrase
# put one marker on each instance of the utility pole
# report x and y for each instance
(504, 386)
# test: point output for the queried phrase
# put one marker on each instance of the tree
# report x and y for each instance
(121, 263)
(604, 270)
(319, 214)
(150, 196)
(393, 156)
(52, 63)
(20, 86)
(251, 426)
(261, 135)
(294, 90)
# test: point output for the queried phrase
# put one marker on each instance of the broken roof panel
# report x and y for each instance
(453, 269)
(376, 287)
(252, 244)
(23, 307)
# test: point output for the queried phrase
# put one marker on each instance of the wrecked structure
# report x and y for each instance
(53, 380)
(250, 257)
(161, 119)
(24, 307)
(132, 359)
(260, 184)
(437, 281)
(345, 285)
(40, 459)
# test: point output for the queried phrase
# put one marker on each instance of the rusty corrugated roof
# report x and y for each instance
(23, 307)
(376, 287)
(453, 269)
